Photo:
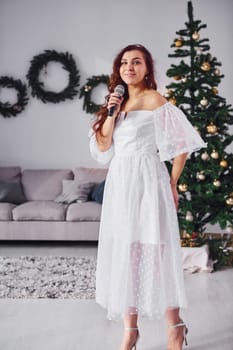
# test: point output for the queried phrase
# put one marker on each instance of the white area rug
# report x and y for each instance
(47, 277)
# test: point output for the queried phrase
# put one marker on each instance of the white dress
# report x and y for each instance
(139, 265)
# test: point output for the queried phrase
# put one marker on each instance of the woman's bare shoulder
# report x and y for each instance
(155, 99)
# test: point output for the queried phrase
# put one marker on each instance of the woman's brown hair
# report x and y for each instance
(115, 79)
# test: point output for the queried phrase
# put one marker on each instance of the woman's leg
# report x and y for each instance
(131, 318)
(130, 335)
(175, 334)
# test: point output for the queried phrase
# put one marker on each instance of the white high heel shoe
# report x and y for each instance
(185, 330)
(133, 329)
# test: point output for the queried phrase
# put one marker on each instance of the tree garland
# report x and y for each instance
(39, 62)
(86, 91)
(6, 109)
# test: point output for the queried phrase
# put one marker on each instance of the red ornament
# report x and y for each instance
(194, 235)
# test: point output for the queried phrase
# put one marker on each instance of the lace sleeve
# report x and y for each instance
(99, 156)
(174, 133)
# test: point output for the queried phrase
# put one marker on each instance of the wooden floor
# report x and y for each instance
(82, 325)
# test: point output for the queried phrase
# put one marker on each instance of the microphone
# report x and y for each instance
(120, 90)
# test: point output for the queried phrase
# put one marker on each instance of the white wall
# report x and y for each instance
(55, 135)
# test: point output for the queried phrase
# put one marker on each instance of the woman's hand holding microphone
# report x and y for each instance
(104, 139)
(115, 100)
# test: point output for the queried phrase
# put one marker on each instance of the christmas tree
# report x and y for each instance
(205, 186)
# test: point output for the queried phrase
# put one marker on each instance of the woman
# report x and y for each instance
(139, 267)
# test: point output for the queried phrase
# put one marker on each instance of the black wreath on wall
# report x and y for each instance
(39, 62)
(6, 109)
(86, 91)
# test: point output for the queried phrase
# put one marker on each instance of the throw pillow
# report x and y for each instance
(73, 191)
(98, 192)
(11, 192)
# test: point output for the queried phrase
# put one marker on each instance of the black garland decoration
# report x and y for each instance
(39, 62)
(88, 105)
(6, 109)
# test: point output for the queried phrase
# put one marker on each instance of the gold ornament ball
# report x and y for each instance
(179, 42)
(200, 176)
(168, 93)
(229, 201)
(212, 128)
(177, 77)
(196, 35)
(205, 66)
(183, 243)
(172, 100)
(183, 187)
(204, 102)
(205, 156)
(223, 163)
(217, 71)
(217, 183)
(214, 155)
(214, 90)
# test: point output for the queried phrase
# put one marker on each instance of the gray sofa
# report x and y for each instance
(39, 216)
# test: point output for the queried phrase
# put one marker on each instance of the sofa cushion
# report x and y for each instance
(73, 191)
(12, 173)
(6, 211)
(88, 211)
(11, 192)
(42, 185)
(98, 192)
(40, 210)
(96, 175)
